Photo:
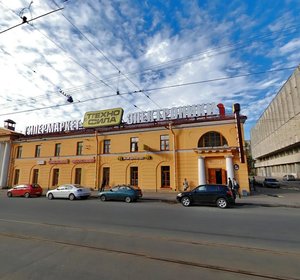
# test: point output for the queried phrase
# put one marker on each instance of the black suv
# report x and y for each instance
(219, 195)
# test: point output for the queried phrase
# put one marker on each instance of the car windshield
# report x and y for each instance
(78, 186)
(271, 180)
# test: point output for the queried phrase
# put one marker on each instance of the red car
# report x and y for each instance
(26, 190)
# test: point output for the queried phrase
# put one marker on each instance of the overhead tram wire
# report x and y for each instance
(106, 57)
(220, 79)
(25, 20)
(74, 89)
(182, 59)
(70, 57)
(153, 89)
(76, 28)
(186, 59)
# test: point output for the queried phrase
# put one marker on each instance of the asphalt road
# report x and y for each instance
(89, 239)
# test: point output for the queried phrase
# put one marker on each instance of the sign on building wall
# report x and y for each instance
(198, 110)
(108, 117)
(113, 117)
(53, 127)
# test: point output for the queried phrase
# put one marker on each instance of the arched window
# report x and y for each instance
(212, 139)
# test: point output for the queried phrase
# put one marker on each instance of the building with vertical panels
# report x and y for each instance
(275, 139)
(153, 150)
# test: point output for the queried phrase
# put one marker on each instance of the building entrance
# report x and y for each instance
(217, 176)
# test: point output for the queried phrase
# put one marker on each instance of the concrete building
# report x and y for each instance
(275, 139)
(153, 150)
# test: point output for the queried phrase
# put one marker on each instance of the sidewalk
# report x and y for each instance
(262, 197)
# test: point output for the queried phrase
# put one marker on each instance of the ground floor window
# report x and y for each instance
(78, 176)
(165, 176)
(55, 177)
(134, 176)
(17, 176)
(35, 176)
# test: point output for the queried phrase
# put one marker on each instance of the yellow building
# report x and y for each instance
(154, 150)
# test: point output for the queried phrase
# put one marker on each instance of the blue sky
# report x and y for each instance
(157, 54)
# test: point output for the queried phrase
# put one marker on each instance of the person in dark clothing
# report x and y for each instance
(236, 187)
(230, 185)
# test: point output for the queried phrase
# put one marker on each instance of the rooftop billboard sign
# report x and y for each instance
(182, 112)
(108, 117)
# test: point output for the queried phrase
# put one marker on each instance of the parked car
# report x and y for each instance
(26, 190)
(70, 191)
(219, 195)
(271, 183)
(289, 177)
(125, 193)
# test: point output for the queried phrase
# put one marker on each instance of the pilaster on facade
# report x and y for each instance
(4, 162)
(229, 166)
(201, 170)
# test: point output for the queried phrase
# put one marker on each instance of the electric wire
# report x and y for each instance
(105, 57)
(151, 89)
(70, 57)
(90, 85)
(25, 20)
(152, 68)
(173, 61)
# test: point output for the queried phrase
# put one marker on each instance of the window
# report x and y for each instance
(55, 177)
(37, 151)
(78, 176)
(134, 176)
(79, 148)
(19, 152)
(17, 176)
(106, 147)
(201, 189)
(165, 176)
(57, 150)
(212, 139)
(134, 144)
(35, 176)
(164, 143)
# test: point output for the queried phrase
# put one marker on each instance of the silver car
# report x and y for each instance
(70, 191)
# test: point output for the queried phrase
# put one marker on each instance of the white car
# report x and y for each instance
(70, 191)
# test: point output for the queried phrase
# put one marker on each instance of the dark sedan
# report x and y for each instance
(271, 183)
(219, 195)
(125, 193)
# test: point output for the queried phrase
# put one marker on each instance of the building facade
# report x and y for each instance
(275, 139)
(154, 150)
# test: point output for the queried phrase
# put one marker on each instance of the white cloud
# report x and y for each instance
(133, 36)
(291, 46)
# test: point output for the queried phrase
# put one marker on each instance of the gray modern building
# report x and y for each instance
(275, 139)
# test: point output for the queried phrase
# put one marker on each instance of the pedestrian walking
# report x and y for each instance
(236, 187)
(185, 184)
(230, 185)
(253, 184)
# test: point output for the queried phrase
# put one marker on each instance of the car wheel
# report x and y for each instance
(185, 201)
(128, 199)
(27, 195)
(71, 196)
(102, 197)
(50, 196)
(9, 194)
(222, 203)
